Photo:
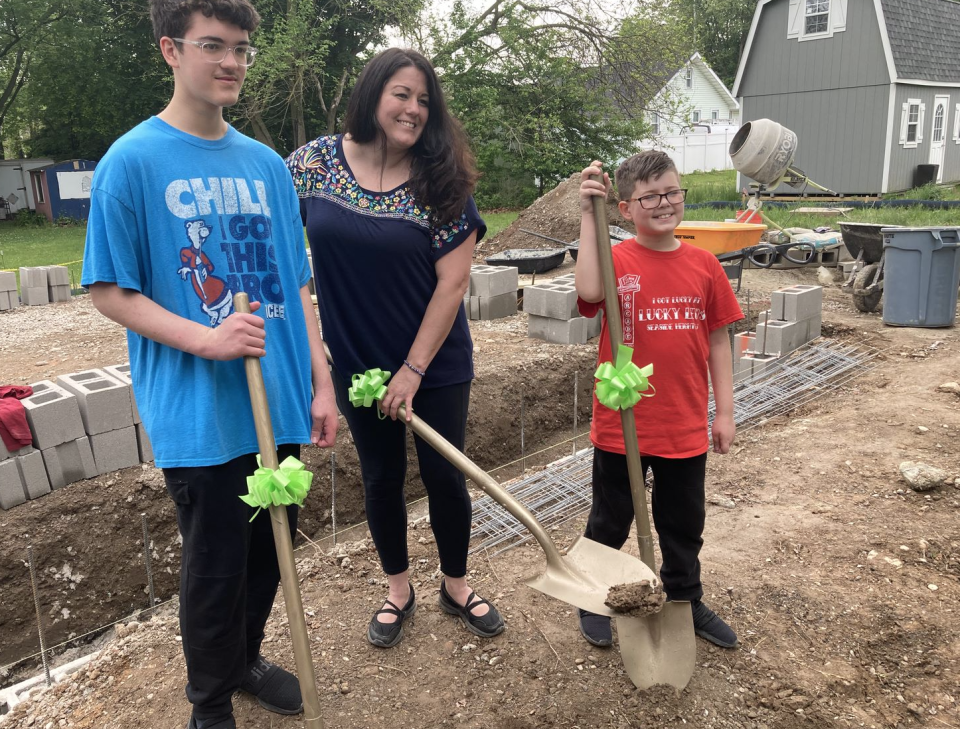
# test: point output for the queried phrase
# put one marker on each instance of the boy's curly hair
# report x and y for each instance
(171, 18)
(648, 165)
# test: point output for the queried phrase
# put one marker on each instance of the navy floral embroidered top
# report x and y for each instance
(374, 258)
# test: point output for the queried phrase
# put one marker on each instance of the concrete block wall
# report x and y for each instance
(492, 293)
(9, 298)
(552, 313)
(794, 318)
(40, 285)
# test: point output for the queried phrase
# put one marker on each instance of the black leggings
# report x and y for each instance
(678, 514)
(382, 448)
(228, 576)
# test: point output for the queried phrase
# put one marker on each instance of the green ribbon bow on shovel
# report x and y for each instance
(621, 385)
(289, 484)
(368, 387)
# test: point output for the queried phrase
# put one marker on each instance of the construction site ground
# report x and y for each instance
(841, 581)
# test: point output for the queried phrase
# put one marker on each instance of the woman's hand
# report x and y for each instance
(403, 386)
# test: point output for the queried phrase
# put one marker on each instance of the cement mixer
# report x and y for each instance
(763, 150)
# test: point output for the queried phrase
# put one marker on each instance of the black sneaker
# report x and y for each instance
(220, 722)
(595, 628)
(707, 624)
(488, 625)
(276, 690)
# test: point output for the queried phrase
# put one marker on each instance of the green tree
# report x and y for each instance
(718, 30)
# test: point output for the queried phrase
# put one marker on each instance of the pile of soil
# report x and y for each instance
(556, 214)
(635, 598)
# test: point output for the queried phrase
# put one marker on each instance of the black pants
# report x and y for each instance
(678, 514)
(382, 448)
(228, 576)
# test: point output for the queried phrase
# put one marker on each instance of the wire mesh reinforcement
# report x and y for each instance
(562, 492)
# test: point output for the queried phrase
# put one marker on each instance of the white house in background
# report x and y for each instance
(693, 118)
(694, 94)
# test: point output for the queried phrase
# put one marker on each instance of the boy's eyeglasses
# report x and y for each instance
(649, 202)
(213, 52)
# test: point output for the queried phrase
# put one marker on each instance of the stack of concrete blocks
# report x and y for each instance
(552, 314)
(33, 286)
(58, 283)
(122, 373)
(795, 318)
(106, 409)
(57, 427)
(492, 293)
(21, 476)
(9, 298)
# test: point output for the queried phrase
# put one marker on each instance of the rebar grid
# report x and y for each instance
(562, 492)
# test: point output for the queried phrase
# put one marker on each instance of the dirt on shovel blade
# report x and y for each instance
(635, 598)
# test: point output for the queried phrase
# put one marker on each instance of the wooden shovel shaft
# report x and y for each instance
(612, 312)
(281, 537)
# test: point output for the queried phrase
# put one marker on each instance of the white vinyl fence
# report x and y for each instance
(696, 152)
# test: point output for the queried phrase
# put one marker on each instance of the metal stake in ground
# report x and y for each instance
(576, 392)
(523, 452)
(333, 496)
(146, 559)
(36, 604)
(281, 537)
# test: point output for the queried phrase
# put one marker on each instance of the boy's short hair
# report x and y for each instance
(171, 18)
(648, 165)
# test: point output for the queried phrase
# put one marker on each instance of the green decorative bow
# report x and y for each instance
(368, 387)
(289, 484)
(621, 385)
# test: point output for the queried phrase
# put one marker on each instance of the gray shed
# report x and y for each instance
(871, 87)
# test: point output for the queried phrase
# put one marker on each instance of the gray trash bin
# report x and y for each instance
(921, 273)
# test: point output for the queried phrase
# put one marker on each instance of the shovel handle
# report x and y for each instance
(614, 326)
(281, 537)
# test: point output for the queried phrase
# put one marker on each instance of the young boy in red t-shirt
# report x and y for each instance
(675, 303)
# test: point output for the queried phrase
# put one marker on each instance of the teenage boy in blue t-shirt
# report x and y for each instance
(185, 212)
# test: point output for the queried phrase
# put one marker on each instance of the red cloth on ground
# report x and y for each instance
(669, 303)
(14, 430)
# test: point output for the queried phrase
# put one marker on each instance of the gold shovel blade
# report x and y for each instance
(588, 571)
(659, 648)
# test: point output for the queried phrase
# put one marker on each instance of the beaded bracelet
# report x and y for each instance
(415, 369)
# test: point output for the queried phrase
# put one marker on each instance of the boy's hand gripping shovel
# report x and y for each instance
(659, 648)
(281, 537)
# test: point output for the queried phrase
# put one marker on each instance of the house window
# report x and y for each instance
(911, 123)
(715, 114)
(816, 17)
(689, 77)
(38, 189)
(655, 124)
(696, 117)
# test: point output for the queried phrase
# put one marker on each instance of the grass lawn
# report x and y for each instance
(46, 246)
(497, 221)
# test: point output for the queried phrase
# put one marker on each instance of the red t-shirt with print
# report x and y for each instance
(669, 304)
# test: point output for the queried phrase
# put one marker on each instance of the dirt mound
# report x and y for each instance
(556, 214)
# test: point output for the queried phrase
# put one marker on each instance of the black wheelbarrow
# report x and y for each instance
(864, 241)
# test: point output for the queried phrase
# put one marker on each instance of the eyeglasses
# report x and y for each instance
(649, 202)
(213, 52)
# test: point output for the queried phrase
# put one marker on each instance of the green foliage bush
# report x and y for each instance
(29, 219)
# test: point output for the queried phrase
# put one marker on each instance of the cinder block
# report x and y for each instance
(780, 337)
(122, 373)
(558, 331)
(497, 307)
(11, 485)
(34, 295)
(33, 474)
(143, 444)
(5, 454)
(57, 275)
(474, 310)
(553, 300)
(32, 277)
(115, 449)
(814, 326)
(69, 462)
(105, 402)
(492, 281)
(53, 414)
(742, 343)
(829, 256)
(59, 293)
(796, 302)
(567, 277)
(8, 281)
(756, 365)
(5, 300)
(594, 325)
(847, 267)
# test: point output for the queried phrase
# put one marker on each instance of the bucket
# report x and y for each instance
(763, 150)
(921, 273)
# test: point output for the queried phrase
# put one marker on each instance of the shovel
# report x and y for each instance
(659, 648)
(281, 538)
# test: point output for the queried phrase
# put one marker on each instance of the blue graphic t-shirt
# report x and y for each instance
(188, 223)
(374, 258)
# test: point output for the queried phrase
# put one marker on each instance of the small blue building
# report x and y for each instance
(63, 189)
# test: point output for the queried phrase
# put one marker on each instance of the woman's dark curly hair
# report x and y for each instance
(443, 170)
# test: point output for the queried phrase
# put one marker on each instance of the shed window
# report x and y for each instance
(911, 123)
(938, 124)
(817, 15)
(956, 124)
(816, 19)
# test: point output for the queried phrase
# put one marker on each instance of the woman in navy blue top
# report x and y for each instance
(392, 225)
